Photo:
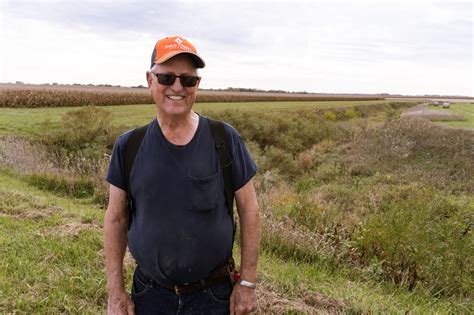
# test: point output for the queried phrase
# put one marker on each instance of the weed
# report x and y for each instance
(423, 238)
(62, 185)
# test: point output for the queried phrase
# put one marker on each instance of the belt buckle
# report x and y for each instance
(176, 290)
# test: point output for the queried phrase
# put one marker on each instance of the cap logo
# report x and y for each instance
(178, 46)
(169, 47)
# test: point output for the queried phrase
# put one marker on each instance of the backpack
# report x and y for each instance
(223, 148)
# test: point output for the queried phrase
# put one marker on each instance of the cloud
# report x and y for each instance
(338, 47)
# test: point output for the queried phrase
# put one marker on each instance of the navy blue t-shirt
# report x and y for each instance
(181, 229)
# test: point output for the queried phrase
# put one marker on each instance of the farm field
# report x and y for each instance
(362, 212)
(461, 109)
(36, 96)
(35, 119)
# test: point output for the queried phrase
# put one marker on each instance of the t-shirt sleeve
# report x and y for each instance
(243, 165)
(115, 174)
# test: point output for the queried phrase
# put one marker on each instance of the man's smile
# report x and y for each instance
(175, 97)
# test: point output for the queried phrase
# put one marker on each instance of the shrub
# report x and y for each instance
(352, 113)
(276, 158)
(82, 139)
(422, 238)
(392, 114)
(310, 159)
(85, 125)
(331, 116)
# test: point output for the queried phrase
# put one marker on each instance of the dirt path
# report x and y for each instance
(422, 111)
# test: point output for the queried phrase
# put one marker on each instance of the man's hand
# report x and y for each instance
(119, 303)
(243, 300)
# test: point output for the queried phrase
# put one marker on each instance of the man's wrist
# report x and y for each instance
(118, 288)
(247, 284)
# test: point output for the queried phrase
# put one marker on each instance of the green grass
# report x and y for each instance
(367, 296)
(462, 109)
(47, 267)
(51, 258)
(28, 121)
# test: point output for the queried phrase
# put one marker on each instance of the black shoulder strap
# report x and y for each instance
(223, 148)
(131, 149)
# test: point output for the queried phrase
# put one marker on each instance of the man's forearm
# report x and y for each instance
(250, 244)
(115, 244)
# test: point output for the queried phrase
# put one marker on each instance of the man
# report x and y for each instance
(181, 231)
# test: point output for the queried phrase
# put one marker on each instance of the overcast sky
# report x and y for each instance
(329, 47)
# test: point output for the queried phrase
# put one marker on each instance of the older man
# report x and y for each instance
(181, 229)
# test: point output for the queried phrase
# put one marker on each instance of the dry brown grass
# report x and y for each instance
(26, 157)
(18, 96)
(308, 302)
(416, 150)
(70, 229)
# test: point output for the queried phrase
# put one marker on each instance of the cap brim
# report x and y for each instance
(197, 60)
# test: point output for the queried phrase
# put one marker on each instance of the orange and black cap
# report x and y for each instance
(169, 47)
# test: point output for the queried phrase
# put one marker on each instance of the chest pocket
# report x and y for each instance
(204, 192)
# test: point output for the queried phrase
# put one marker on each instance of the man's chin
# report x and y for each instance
(176, 111)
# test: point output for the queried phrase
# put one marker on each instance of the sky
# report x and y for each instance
(403, 47)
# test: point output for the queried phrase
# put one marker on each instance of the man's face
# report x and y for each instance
(175, 99)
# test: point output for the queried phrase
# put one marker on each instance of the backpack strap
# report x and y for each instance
(131, 149)
(222, 142)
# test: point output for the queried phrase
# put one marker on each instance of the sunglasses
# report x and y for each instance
(168, 79)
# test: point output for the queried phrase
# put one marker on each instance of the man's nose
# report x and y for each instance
(177, 86)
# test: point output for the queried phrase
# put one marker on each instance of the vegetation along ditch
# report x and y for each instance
(353, 189)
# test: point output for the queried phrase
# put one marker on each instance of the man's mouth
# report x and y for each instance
(175, 97)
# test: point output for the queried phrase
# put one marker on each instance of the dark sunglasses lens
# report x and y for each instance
(188, 80)
(166, 79)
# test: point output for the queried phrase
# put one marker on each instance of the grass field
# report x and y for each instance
(360, 214)
(35, 119)
(462, 109)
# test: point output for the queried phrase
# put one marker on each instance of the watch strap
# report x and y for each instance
(247, 284)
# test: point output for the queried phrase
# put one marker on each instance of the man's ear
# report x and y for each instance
(149, 78)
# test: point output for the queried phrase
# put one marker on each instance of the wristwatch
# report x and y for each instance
(247, 284)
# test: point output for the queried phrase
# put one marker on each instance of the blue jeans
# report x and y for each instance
(153, 299)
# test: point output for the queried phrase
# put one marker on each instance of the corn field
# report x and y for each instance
(33, 98)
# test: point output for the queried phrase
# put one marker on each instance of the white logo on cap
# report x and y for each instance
(178, 40)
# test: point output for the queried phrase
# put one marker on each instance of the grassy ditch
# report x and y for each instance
(53, 263)
(356, 198)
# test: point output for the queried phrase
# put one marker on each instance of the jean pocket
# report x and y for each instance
(205, 192)
(221, 292)
(140, 285)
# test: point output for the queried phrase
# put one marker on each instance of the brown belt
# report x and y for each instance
(217, 276)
